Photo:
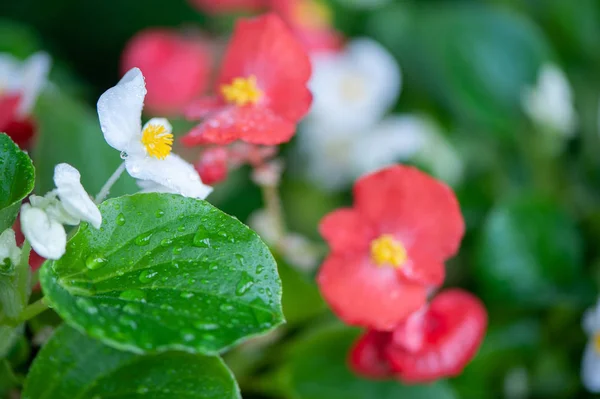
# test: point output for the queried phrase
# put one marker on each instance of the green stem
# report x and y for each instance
(23, 274)
(33, 310)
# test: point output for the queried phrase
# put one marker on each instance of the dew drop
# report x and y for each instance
(181, 228)
(206, 326)
(188, 335)
(226, 307)
(120, 219)
(143, 239)
(131, 308)
(160, 213)
(201, 239)
(165, 242)
(186, 295)
(177, 250)
(246, 282)
(147, 276)
(95, 262)
(133, 295)
(86, 305)
(259, 269)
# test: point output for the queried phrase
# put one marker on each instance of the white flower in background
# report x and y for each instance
(296, 249)
(24, 79)
(354, 88)
(590, 365)
(43, 218)
(550, 103)
(8, 248)
(334, 159)
(147, 149)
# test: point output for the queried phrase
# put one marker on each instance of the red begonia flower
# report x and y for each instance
(261, 91)
(176, 68)
(213, 165)
(390, 248)
(453, 327)
(20, 129)
(367, 356)
(225, 6)
(310, 20)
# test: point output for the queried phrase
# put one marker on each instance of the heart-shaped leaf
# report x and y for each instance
(72, 365)
(317, 369)
(166, 272)
(17, 178)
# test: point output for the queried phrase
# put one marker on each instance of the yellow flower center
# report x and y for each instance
(242, 91)
(157, 141)
(386, 250)
(313, 14)
(597, 343)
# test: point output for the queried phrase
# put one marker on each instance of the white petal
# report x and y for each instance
(73, 196)
(590, 368)
(35, 77)
(46, 236)
(9, 248)
(120, 111)
(11, 76)
(355, 88)
(172, 172)
(393, 139)
(160, 122)
(53, 208)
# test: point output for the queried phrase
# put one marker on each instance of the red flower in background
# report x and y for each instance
(225, 6)
(441, 341)
(20, 84)
(35, 261)
(261, 91)
(177, 68)
(311, 22)
(389, 249)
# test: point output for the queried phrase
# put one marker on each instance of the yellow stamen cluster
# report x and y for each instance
(386, 250)
(242, 91)
(157, 141)
(313, 14)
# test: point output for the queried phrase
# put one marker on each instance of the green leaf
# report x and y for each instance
(69, 132)
(317, 369)
(166, 272)
(17, 178)
(530, 254)
(8, 337)
(476, 59)
(8, 380)
(72, 365)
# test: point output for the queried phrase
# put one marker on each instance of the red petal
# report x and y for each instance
(367, 357)
(176, 68)
(226, 6)
(252, 124)
(8, 110)
(363, 294)
(212, 165)
(21, 131)
(422, 268)
(345, 232)
(454, 327)
(202, 107)
(266, 48)
(422, 210)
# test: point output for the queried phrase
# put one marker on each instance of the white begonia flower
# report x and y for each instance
(550, 103)
(590, 365)
(8, 247)
(147, 149)
(24, 78)
(43, 218)
(354, 88)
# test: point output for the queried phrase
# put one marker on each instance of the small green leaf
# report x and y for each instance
(317, 369)
(17, 178)
(530, 254)
(166, 272)
(72, 365)
(70, 132)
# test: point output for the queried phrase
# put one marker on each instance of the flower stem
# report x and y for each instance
(23, 274)
(109, 183)
(33, 310)
(274, 209)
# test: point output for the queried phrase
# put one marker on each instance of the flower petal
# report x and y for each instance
(363, 294)
(367, 356)
(120, 110)
(8, 109)
(408, 202)
(46, 236)
(252, 124)
(73, 196)
(590, 368)
(345, 231)
(172, 172)
(9, 248)
(35, 77)
(423, 268)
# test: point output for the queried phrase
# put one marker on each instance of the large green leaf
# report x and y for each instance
(17, 178)
(8, 337)
(166, 272)
(317, 369)
(72, 365)
(530, 254)
(69, 132)
(476, 59)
